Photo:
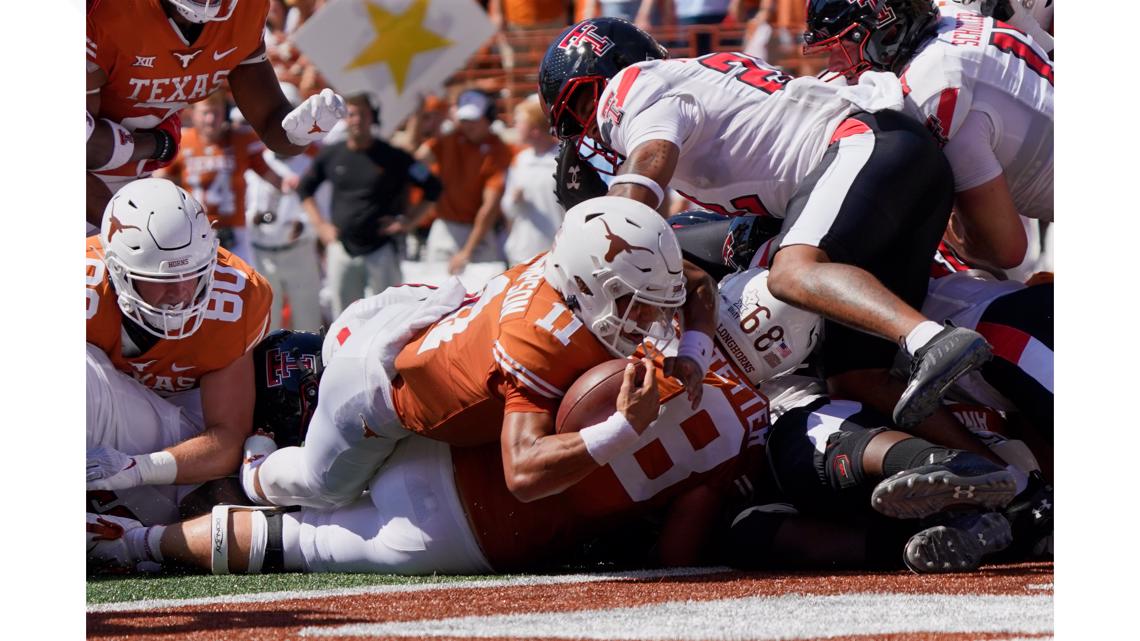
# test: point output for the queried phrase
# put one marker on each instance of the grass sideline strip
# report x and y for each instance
(133, 593)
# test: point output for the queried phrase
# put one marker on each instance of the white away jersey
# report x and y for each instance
(986, 91)
(748, 133)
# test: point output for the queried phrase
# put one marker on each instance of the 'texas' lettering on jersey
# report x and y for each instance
(164, 92)
(197, 165)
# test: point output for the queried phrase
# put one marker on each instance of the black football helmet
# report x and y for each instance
(287, 370)
(872, 34)
(583, 58)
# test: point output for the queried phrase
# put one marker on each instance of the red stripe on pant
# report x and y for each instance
(1009, 342)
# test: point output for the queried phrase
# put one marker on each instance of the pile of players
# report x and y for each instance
(787, 401)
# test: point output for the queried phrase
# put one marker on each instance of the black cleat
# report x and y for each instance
(950, 354)
(958, 544)
(960, 480)
(1031, 514)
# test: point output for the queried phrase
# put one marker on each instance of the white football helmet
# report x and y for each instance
(764, 336)
(203, 11)
(609, 247)
(155, 232)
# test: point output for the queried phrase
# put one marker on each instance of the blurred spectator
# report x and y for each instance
(210, 164)
(758, 27)
(370, 179)
(529, 204)
(518, 15)
(426, 122)
(701, 12)
(790, 21)
(284, 244)
(644, 13)
(472, 163)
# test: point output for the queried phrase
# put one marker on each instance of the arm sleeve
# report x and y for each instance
(971, 152)
(672, 119)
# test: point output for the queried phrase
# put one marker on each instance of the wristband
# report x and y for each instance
(644, 181)
(610, 438)
(157, 468)
(123, 145)
(164, 148)
(697, 346)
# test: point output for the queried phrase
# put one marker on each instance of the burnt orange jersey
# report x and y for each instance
(152, 72)
(213, 173)
(236, 319)
(515, 348)
(720, 443)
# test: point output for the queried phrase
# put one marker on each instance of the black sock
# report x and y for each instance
(911, 452)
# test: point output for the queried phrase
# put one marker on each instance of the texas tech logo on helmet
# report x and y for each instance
(280, 364)
(585, 33)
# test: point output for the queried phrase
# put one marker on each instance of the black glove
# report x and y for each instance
(575, 180)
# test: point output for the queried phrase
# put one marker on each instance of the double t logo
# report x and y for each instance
(585, 33)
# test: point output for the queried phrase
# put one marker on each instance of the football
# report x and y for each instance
(593, 397)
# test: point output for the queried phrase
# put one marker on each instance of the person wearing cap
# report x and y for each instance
(370, 179)
(472, 163)
(284, 243)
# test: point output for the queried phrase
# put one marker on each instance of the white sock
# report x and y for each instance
(143, 543)
(921, 335)
(1019, 476)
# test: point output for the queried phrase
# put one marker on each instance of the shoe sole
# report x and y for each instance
(913, 408)
(950, 549)
(914, 495)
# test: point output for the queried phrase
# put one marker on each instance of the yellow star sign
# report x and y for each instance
(399, 39)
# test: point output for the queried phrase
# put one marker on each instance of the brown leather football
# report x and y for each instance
(593, 397)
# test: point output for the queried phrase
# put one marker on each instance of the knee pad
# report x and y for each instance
(266, 547)
(843, 457)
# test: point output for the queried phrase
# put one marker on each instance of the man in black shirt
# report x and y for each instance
(369, 181)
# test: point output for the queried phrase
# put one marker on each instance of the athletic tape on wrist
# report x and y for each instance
(609, 439)
(257, 449)
(157, 468)
(123, 145)
(644, 181)
(697, 346)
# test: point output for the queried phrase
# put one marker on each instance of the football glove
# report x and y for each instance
(312, 119)
(575, 180)
(110, 469)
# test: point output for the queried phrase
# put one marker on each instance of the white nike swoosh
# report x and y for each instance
(218, 55)
(176, 368)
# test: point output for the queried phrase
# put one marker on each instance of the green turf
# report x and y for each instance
(111, 589)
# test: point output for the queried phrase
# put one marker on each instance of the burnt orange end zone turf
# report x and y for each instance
(284, 619)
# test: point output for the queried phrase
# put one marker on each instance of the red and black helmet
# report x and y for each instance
(287, 370)
(583, 58)
(885, 33)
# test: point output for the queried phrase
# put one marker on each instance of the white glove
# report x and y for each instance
(110, 469)
(312, 119)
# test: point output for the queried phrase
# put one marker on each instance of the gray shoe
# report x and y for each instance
(959, 544)
(960, 480)
(947, 357)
